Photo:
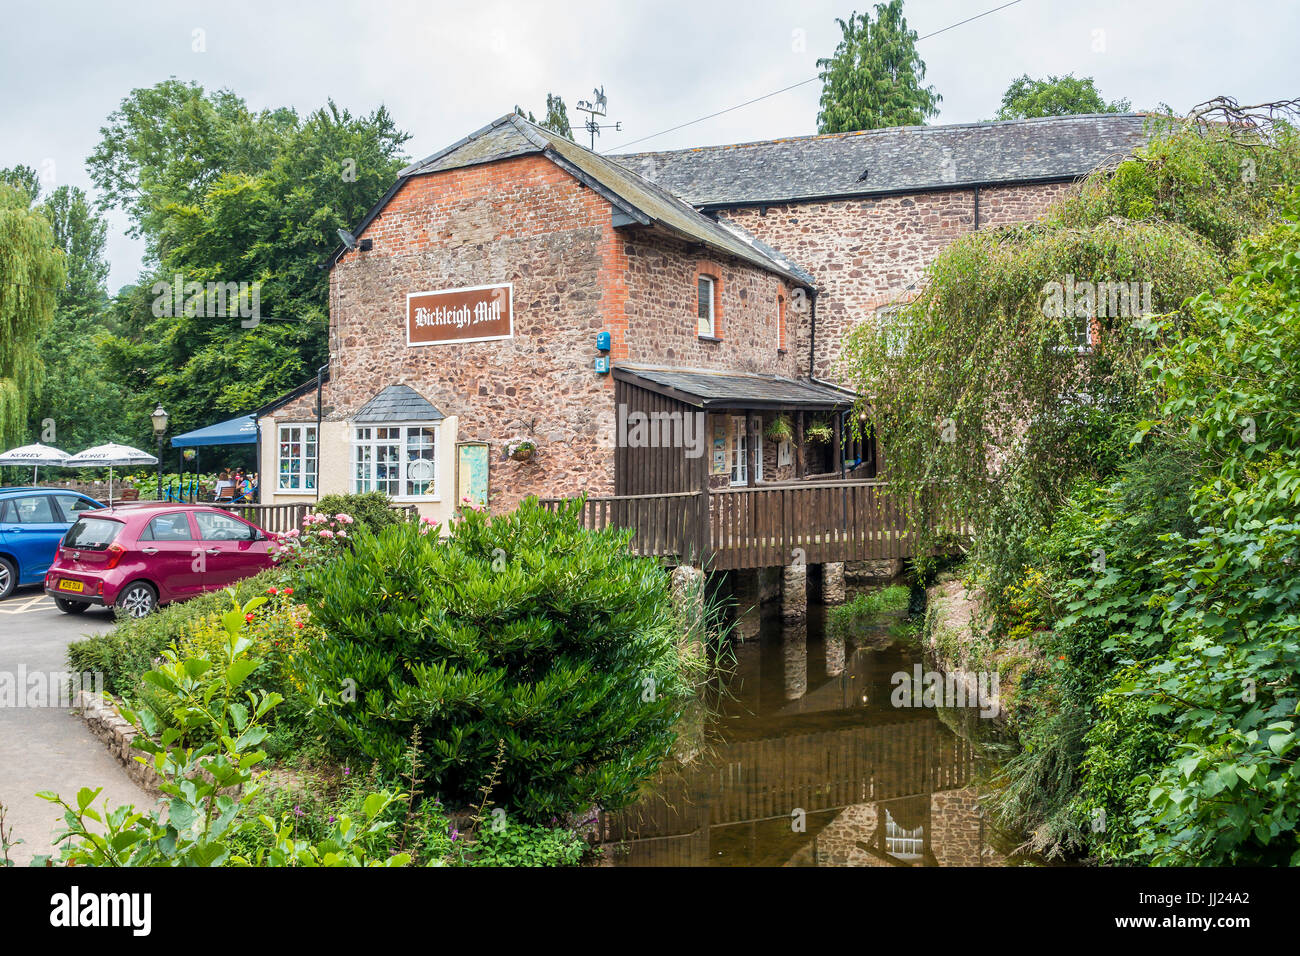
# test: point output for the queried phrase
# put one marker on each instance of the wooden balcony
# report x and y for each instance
(765, 525)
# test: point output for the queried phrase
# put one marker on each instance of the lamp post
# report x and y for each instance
(159, 417)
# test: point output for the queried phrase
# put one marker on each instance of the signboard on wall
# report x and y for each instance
(471, 474)
(476, 314)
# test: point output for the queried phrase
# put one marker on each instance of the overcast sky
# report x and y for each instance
(445, 69)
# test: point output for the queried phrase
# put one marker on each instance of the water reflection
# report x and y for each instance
(804, 762)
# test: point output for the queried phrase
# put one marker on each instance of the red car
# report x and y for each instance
(138, 557)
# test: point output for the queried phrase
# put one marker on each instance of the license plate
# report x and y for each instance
(66, 585)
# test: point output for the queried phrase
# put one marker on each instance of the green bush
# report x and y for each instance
(521, 634)
(525, 844)
(131, 648)
(866, 610)
(370, 509)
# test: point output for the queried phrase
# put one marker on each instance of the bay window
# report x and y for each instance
(399, 460)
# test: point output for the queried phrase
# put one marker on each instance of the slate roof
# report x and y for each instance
(638, 200)
(894, 160)
(707, 388)
(397, 403)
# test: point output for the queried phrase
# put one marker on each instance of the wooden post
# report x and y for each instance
(703, 533)
(799, 464)
(752, 448)
(837, 447)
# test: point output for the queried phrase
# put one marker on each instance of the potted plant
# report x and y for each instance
(819, 431)
(780, 429)
(520, 449)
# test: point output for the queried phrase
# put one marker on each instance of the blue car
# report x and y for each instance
(32, 523)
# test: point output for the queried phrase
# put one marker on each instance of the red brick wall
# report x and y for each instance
(527, 222)
(865, 253)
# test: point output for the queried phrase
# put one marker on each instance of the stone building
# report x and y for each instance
(519, 315)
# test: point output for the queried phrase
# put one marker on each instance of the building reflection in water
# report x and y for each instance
(807, 763)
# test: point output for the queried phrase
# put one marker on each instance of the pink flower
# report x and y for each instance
(343, 534)
(327, 533)
(344, 518)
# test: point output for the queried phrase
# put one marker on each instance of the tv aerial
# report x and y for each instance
(595, 108)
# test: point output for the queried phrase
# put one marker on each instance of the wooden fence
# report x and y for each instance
(762, 526)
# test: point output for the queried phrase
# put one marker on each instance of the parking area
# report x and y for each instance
(44, 747)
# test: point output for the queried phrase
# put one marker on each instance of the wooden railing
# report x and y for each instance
(283, 517)
(768, 525)
(666, 525)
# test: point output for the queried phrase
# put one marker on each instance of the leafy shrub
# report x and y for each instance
(212, 788)
(132, 646)
(521, 632)
(372, 510)
(854, 618)
(525, 844)
(279, 632)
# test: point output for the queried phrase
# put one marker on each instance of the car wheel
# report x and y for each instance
(70, 607)
(137, 600)
(8, 577)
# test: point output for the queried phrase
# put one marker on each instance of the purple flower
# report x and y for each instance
(297, 811)
(454, 834)
(331, 819)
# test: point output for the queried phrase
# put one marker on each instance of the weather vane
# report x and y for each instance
(593, 109)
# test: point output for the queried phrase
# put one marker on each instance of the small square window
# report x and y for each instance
(706, 307)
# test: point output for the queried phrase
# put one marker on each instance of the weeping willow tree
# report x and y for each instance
(1006, 376)
(31, 274)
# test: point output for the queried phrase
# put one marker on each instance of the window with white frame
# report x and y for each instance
(399, 460)
(890, 318)
(296, 458)
(740, 453)
(706, 306)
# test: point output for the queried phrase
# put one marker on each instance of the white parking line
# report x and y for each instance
(23, 605)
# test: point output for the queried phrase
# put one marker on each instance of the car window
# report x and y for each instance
(73, 505)
(34, 509)
(92, 534)
(219, 527)
(173, 527)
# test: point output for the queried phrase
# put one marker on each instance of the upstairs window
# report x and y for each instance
(780, 323)
(707, 306)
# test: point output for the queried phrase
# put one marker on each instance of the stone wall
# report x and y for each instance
(868, 253)
(527, 222)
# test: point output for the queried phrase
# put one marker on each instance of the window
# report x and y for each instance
(740, 453)
(34, 509)
(214, 526)
(297, 458)
(172, 527)
(1081, 333)
(890, 318)
(780, 323)
(73, 505)
(399, 460)
(706, 306)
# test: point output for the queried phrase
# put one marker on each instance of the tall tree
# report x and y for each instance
(557, 116)
(1065, 95)
(225, 195)
(86, 402)
(31, 274)
(874, 78)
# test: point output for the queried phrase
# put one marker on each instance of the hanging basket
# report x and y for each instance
(521, 449)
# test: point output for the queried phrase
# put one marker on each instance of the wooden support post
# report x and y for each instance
(800, 465)
(753, 448)
(837, 445)
(703, 532)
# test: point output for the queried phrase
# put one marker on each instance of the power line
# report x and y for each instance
(786, 89)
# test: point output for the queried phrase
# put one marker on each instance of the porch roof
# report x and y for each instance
(713, 389)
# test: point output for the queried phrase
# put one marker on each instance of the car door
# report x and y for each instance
(32, 527)
(233, 549)
(173, 555)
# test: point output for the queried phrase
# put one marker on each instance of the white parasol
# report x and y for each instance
(34, 455)
(110, 455)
